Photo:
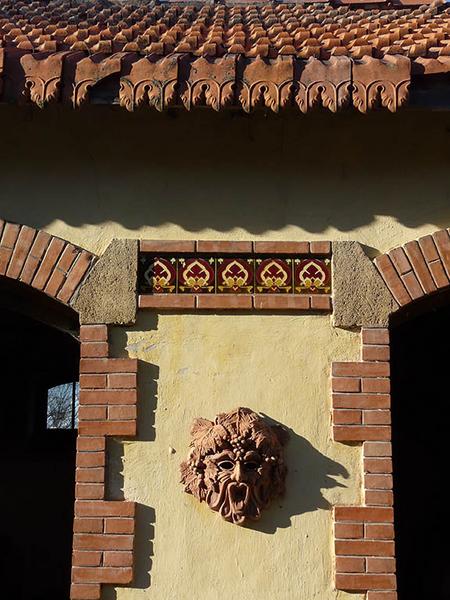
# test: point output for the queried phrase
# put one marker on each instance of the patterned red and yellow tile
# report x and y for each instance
(159, 275)
(235, 275)
(196, 275)
(273, 276)
(312, 276)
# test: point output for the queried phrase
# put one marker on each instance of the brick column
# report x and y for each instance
(364, 535)
(103, 530)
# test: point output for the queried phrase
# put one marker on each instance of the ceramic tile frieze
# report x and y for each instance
(238, 275)
(227, 270)
(196, 275)
(273, 275)
(235, 275)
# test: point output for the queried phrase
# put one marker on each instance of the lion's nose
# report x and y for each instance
(238, 473)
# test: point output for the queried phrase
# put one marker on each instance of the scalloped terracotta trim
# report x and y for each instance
(42, 77)
(2, 60)
(210, 83)
(325, 84)
(150, 81)
(385, 83)
(90, 71)
(186, 80)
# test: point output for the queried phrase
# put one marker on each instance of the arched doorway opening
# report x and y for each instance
(420, 416)
(39, 361)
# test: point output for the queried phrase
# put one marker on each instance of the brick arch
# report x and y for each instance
(418, 268)
(45, 262)
(364, 535)
(103, 529)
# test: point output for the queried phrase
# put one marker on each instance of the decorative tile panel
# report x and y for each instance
(312, 276)
(224, 270)
(196, 275)
(235, 275)
(160, 276)
(273, 275)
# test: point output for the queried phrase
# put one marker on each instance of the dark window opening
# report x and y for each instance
(37, 452)
(421, 413)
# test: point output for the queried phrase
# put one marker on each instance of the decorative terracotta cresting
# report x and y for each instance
(236, 464)
(220, 54)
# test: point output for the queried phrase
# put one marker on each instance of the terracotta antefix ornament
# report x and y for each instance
(236, 464)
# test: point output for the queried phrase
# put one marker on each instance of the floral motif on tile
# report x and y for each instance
(312, 276)
(273, 275)
(235, 275)
(160, 276)
(239, 273)
(196, 275)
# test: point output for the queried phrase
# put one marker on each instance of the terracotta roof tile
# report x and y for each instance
(245, 53)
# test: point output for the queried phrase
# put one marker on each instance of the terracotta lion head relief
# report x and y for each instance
(235, 464)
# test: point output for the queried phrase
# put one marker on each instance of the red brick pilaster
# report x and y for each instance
(103, 530)
(364, 535)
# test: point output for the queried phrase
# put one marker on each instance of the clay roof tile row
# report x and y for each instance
(303, 30)
(50, 47)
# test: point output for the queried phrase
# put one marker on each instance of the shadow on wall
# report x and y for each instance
(309, 472)
(148, 375)
(143, 551)
(145, 521)
(195, 169)
(145, 515)
(147, 398)
(313, 472)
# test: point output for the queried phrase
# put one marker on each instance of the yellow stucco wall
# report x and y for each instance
(100, 173)
(90, 175)
(199, 365)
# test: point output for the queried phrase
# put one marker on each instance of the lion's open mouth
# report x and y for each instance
(238, 493)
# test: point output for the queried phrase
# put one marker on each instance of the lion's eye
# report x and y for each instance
(251, 465)
(226, 465)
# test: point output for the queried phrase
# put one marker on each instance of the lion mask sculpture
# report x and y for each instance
(235, 464)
